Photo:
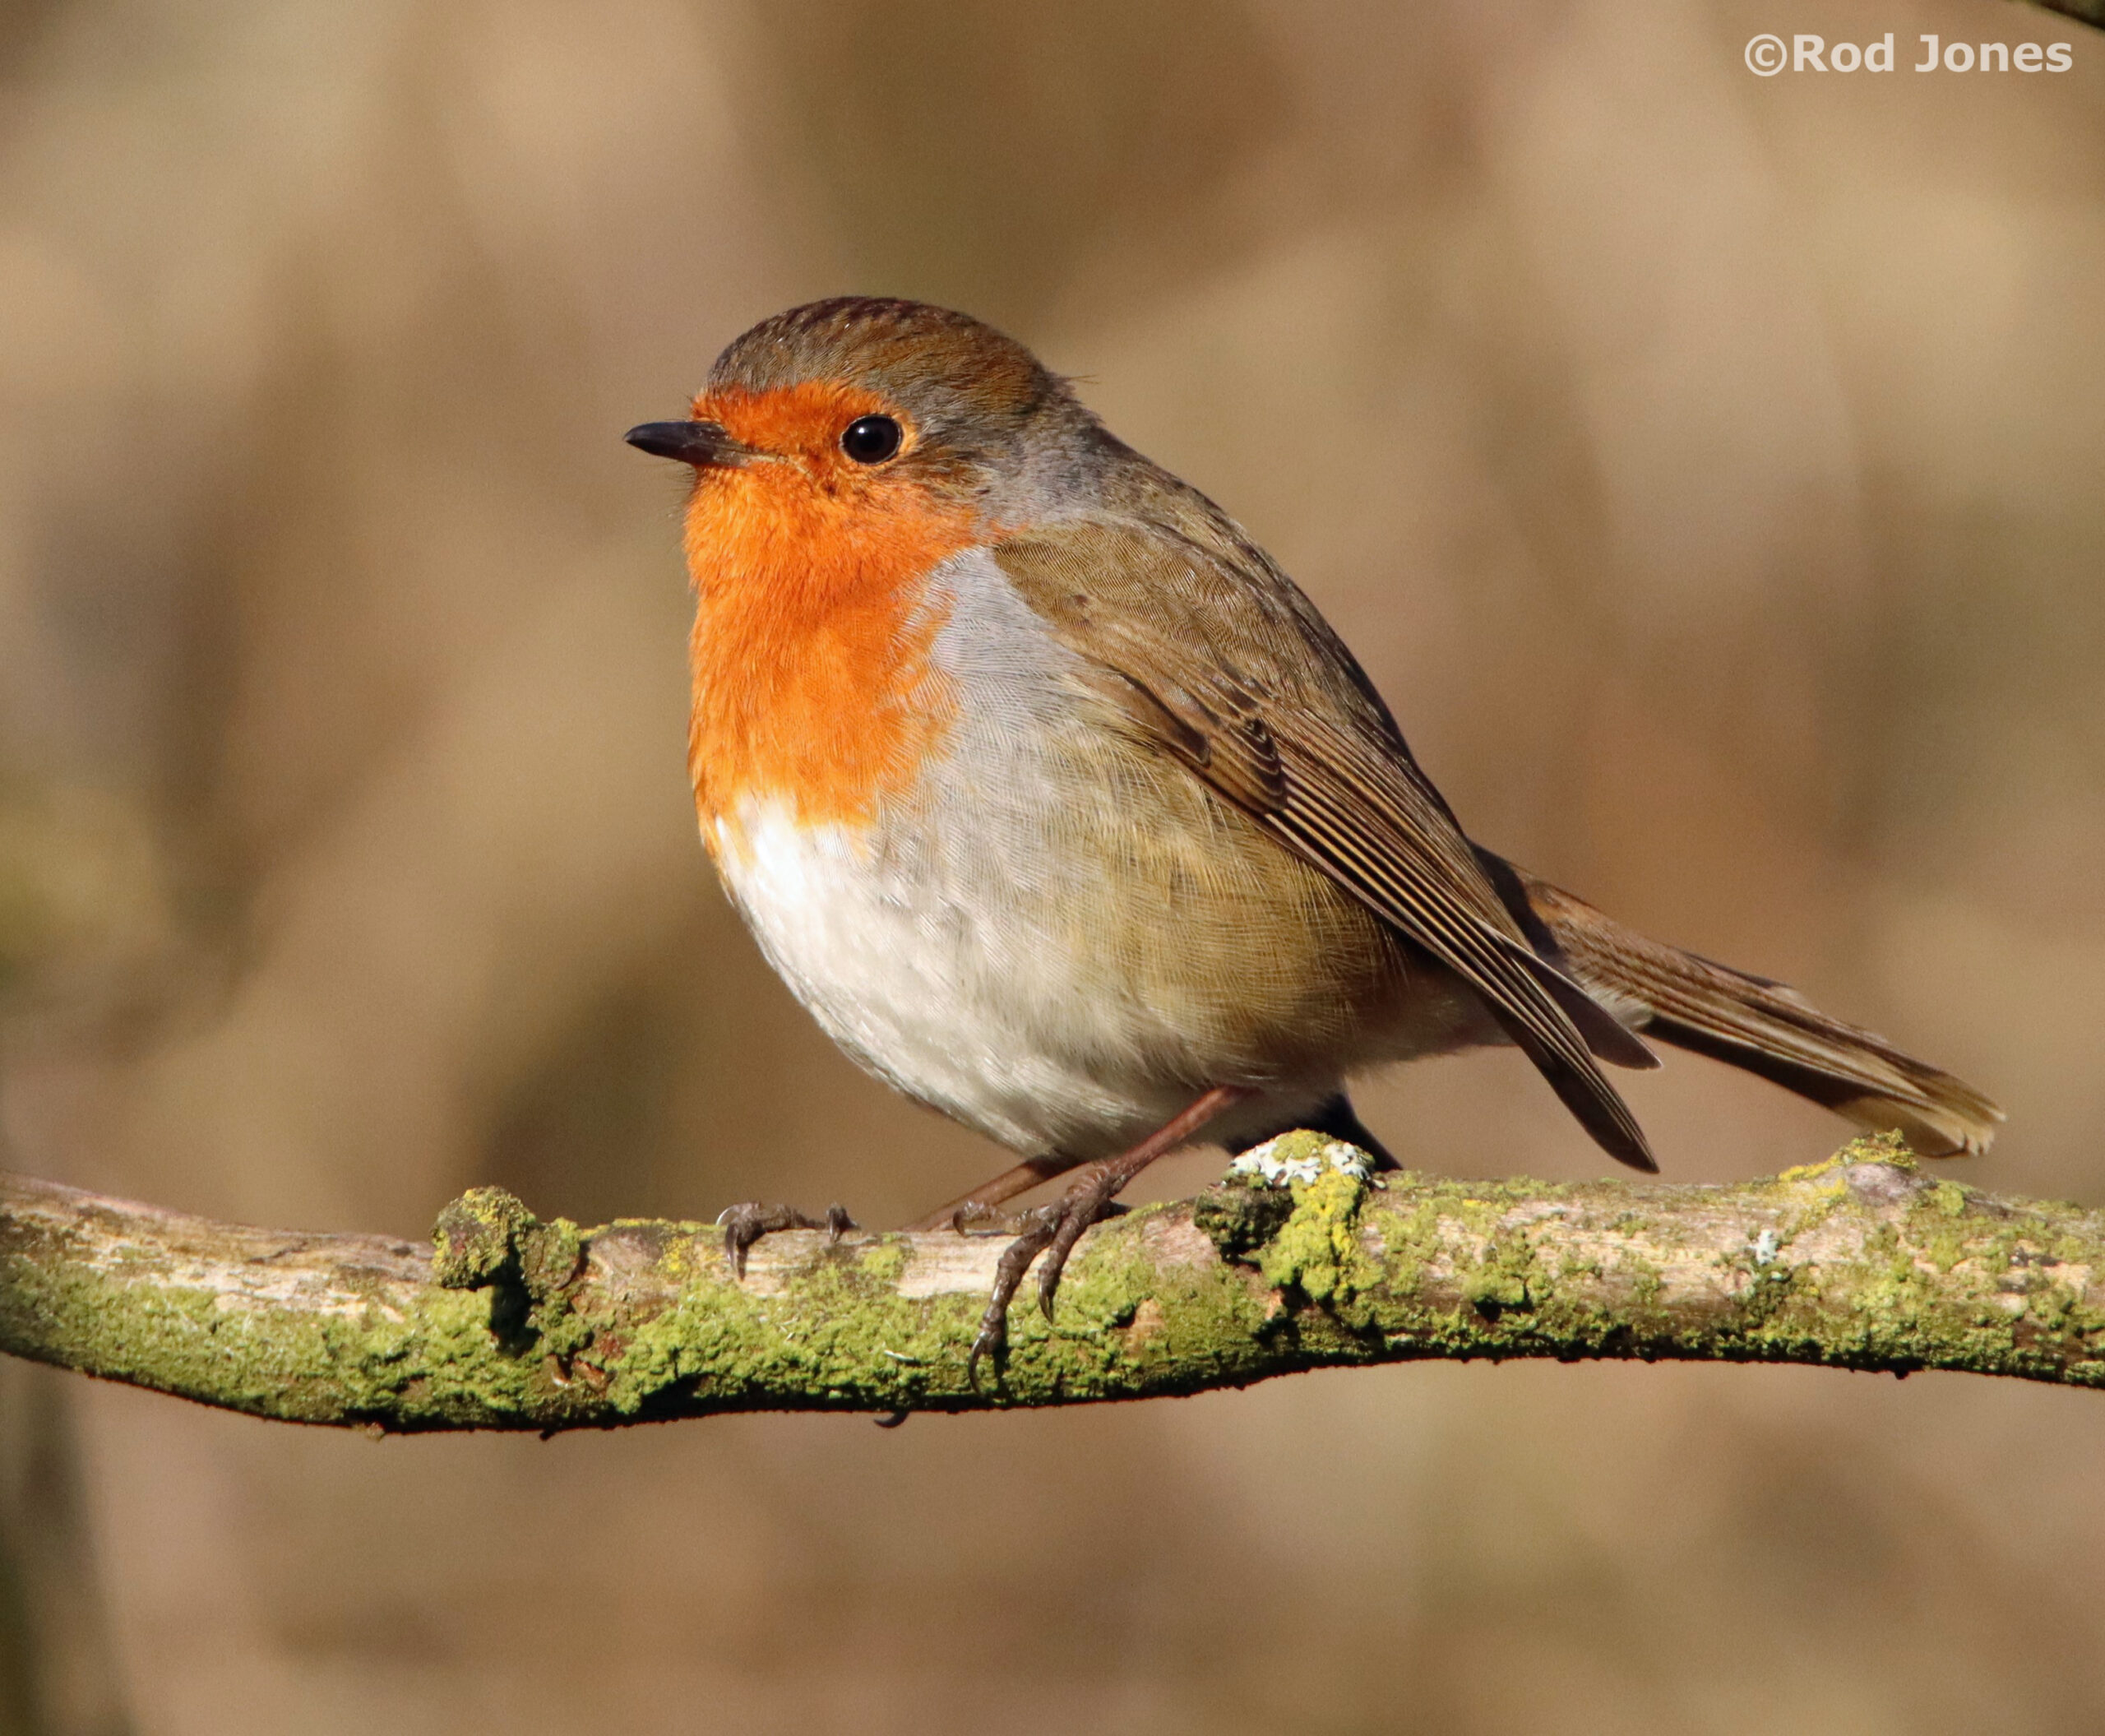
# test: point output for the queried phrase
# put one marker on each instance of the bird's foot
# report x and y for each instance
(745, 1224)
(1052, 1230)
(977, 1218)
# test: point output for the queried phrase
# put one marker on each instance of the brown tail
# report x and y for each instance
(1763, 1026)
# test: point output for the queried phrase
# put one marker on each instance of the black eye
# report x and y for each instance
(871, 439)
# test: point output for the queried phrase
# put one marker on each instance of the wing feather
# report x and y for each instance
(1219, 661)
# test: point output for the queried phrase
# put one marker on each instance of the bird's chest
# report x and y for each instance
(946, 930)
(829, 732)
(901, 939)
(825, 724)
(851, 914)
(815, 618)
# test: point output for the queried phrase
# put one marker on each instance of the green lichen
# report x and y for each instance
(1957, 1281)
(550, 1256)
(885, 1263)
(378, 1366)
(476, 1236)
(487, 1240)
(1240, 1217)
(1865, 1261)
(1317, 1250)
(838, 1334)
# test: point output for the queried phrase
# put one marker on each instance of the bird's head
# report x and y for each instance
(862, 405)
(842, 453)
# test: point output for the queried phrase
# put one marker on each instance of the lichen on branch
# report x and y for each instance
(1298, 1261)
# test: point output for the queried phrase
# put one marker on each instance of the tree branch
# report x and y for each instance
(1861, 1262)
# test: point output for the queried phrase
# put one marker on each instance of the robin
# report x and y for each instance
(1066, 814)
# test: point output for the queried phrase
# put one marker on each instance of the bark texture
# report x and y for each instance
(1863, 1261)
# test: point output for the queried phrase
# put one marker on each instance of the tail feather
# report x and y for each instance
(1762, 1027)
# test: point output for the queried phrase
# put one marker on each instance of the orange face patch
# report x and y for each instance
(810, 654)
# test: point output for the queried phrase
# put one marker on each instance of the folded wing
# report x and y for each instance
(1215, 657)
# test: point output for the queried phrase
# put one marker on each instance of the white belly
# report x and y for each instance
(923, 982)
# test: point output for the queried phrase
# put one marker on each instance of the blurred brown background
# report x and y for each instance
(1707, 468)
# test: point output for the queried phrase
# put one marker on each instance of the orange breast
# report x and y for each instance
(813, 624)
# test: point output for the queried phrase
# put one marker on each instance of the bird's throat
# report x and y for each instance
(814, 621)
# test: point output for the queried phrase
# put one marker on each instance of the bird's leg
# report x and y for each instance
(981, 1202)
(1054, 1229)
(745, 1224)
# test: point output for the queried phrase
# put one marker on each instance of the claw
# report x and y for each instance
(1079, 1211)
(1052, 1230)
(973, 1219)
(1060, 1225)
(745, 1223)
(992, 1338)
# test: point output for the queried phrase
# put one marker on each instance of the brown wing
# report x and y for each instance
(1219, 660)
(1765, 1027)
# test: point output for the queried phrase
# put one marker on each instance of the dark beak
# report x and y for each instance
(705, 444)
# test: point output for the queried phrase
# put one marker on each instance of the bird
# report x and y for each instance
(1065, 812)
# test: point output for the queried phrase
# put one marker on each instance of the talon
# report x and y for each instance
(1088, 1201)
(742, 1228)
(992, 1338)
(745, 1223)
(1048, 1283)
(1059, 1226)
